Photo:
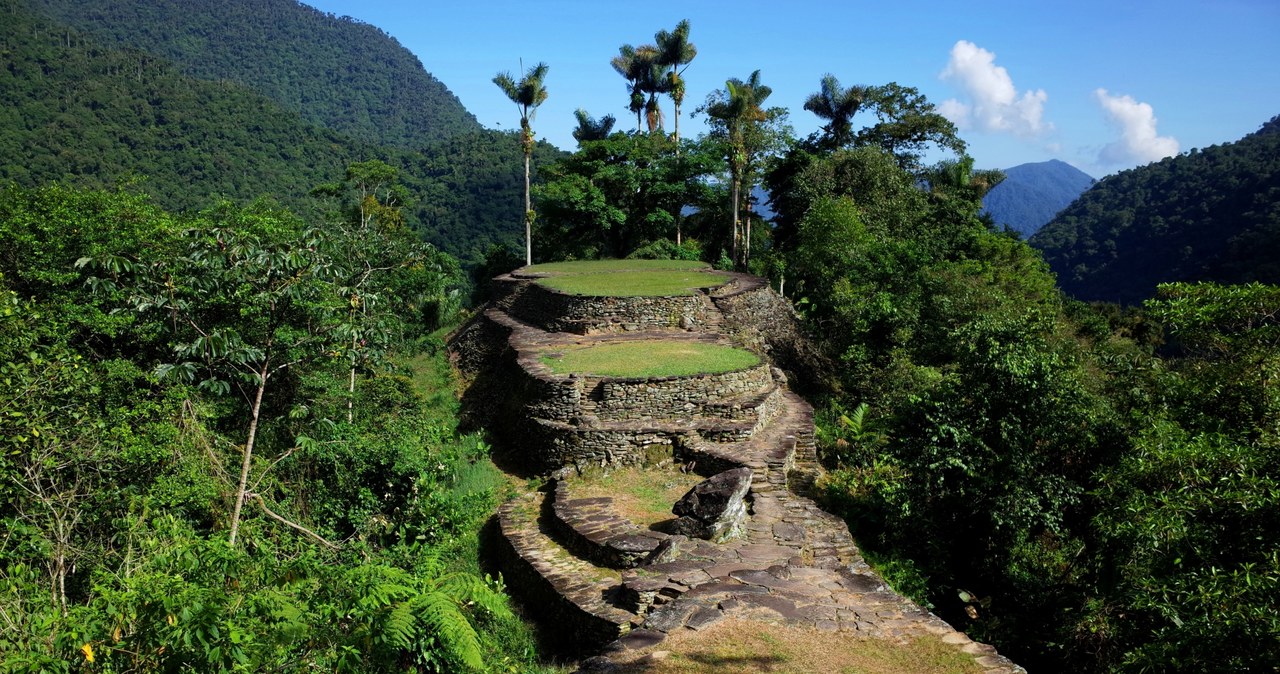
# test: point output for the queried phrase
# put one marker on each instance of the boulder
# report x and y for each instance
(715, 508)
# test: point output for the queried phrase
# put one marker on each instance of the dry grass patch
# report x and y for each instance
(733, 646)
(644, 496)
(649, 358)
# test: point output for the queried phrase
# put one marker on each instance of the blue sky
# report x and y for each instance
(1102, 85)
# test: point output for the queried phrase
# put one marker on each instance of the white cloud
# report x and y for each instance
(1138, 142)
(995, 104)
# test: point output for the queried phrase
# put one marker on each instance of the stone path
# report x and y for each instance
(795, 564)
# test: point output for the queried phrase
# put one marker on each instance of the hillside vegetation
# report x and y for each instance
(90, 115)
(221, 450)
(227, 443)
(1031, 194)
(1212, 214)
(333, 72)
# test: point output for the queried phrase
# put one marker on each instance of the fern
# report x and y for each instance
(400, 628)
(445, 620)
(483, 592)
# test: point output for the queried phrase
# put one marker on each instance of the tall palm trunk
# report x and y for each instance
(737, 187)
(528, 206)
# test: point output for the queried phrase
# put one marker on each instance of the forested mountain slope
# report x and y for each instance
(1210, 215)
(81, 113)
(334, 72)
(1031, 194)
(89, 115)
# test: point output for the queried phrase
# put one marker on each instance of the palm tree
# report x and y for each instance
(626, 65)
(589, 128)
(740, 110)
(640, 67)
(527, 94)
(837, 105)
(676, 52)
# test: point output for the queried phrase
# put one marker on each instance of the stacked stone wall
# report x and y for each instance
(555, 311)
(551, 595)
(674, 397)
(763, 321)
(552, 444)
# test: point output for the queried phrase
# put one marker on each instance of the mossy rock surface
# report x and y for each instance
(649, 358)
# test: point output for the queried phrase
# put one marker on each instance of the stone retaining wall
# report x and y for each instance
(591, 528)
(763, 321)
(552, 444)
(585, 622)
(555, 311)
(674, 397)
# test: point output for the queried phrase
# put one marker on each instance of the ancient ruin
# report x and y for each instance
(617, 586)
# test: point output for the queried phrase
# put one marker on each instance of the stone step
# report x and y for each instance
(591, 528)
(551, 581)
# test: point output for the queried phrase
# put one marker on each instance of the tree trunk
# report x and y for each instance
(736, 189)
(676, 106)
(248, 452)
(528, 211)
(351, 384)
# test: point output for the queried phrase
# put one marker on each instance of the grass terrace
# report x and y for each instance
(643, 495)
(648, 358)
(628, 278)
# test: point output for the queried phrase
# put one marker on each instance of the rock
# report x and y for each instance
(715, 508)
(666, 551)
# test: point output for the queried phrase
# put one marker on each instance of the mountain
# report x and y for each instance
(334, 72)
(1209, 215)
(82, 113)
(78, 112)
(1031, 194)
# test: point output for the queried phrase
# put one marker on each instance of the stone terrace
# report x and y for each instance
(614, 585)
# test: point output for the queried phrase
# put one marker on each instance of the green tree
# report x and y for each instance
(527, 94)
(738, 116)
(617, 194)
(394, 282)
(907, 125)
(589, 128)
(250, 297)
(837, 105)
(635, 65)
(676, 52)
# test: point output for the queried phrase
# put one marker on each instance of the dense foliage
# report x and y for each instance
(1212, 214)
(1031, 194)
(93, 116)
(336, 73)
(173, 381)
(1028, 466)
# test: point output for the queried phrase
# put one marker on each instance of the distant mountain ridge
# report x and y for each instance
(1031, 194)
(333, 72)
(90, 115)
(1212, 214)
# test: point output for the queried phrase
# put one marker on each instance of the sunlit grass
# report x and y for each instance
(629, 278)
(649, 358)
(643, 495)
(598, 266)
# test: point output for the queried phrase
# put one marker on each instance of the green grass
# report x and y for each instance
(628, 278)
(649, 358)
(643, 495)
(598, 266)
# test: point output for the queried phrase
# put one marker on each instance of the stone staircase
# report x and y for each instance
(615, 585)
